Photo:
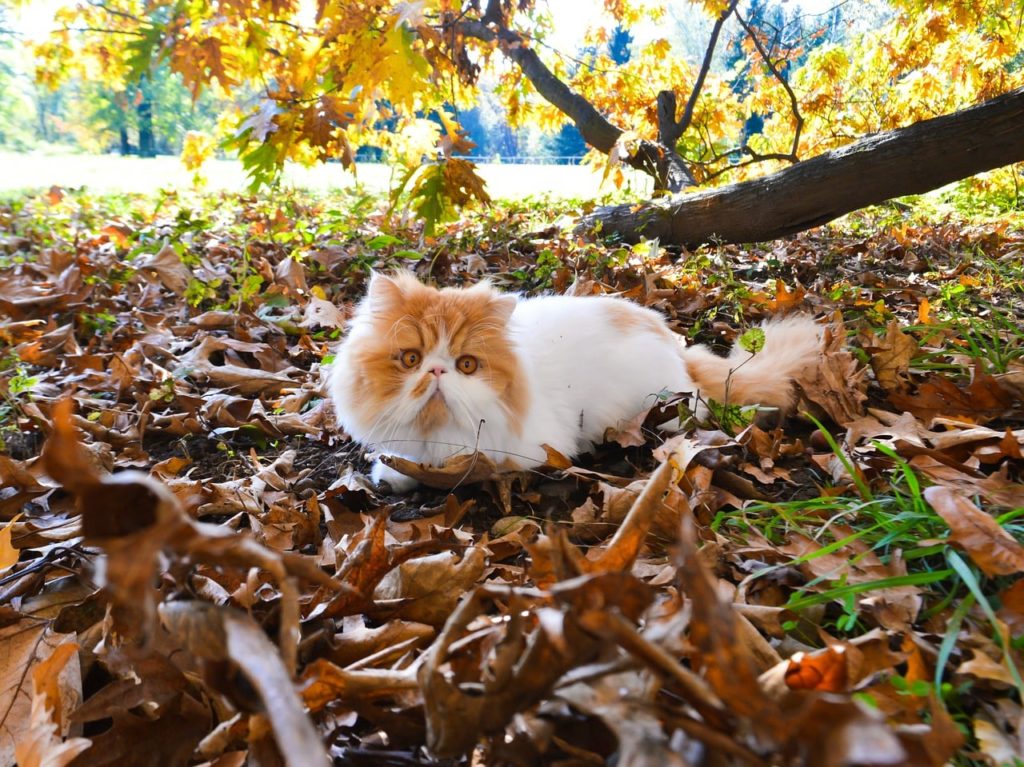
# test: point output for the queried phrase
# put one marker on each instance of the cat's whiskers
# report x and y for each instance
(469, 419)
(396, 325)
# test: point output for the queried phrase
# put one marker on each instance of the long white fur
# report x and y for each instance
(584, 372)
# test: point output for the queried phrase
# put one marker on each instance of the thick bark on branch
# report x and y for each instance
(596, 129)
(911, 160)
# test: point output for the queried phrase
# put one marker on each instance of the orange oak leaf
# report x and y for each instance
(825, 670)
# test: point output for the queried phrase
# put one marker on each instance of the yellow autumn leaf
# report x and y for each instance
(8, 554)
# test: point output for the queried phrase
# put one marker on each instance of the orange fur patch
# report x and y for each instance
(409, 315)
(628, 316)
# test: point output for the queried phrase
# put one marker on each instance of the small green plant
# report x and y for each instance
(731, 418)
(21, 382)
(98, 322)
(19, 389)
(197, 291)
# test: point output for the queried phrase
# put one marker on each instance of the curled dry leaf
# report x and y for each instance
(998, 746)
(824, 670)
(988, 545)
(460, 470)
(245, 380)
(555, 460)
(358, 642)
(629, 433)
(838, 385)
(624, 547)
(8, 554)
(623, 703)
(325, 683)
(321, 313)
(426, 589)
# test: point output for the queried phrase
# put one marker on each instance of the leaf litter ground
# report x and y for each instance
(193, 558)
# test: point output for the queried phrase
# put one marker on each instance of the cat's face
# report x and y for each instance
(422, 359)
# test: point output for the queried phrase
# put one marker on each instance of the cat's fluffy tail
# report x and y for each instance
(791, 345)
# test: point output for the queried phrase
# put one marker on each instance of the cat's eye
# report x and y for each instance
(410, 358)
(467, 364)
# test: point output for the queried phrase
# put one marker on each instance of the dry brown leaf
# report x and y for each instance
(44, 744)
(290, 272)
(245, 380)
(997, 745)
(555, 460)
(25, 646)
(982, 668)
(628, 433)
(983, 399)
(165, 266)
(321, 313)
(9, 555)
(357, 641)
(325, 683)
(428, 588)
(995, 488)
(624, 547)
(1011, 611)
(624, 702)
(988, 545)
(891, 356)
(1013, 380)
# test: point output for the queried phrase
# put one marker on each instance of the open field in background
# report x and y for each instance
(114, 173)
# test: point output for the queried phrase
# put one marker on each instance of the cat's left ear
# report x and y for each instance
(504, 304)
(501, 305)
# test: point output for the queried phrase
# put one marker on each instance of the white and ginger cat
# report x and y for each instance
(427, 374)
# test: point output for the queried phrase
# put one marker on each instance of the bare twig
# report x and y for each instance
(698, 86)
(100, 30)
(114, 11)
(773, 68)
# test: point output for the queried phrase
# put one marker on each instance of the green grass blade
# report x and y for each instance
(915, 579)
(971, 581)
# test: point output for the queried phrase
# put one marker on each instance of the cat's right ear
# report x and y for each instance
(383, 291)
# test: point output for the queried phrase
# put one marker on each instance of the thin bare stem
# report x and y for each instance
(773, 68)
(698, 86)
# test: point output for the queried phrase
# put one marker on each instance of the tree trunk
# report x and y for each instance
(911, 160)
(147, 144)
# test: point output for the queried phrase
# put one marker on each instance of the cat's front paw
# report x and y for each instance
(398, 482)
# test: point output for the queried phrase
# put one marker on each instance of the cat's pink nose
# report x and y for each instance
(438, 371)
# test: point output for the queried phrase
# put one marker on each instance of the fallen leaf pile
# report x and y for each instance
(196, 569)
